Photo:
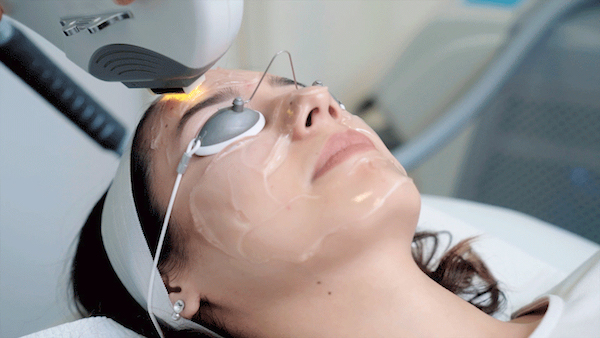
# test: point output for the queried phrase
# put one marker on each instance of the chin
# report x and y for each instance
(374, 189)
(360, 202)
(392, 217)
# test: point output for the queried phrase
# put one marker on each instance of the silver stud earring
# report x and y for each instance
(177, 308)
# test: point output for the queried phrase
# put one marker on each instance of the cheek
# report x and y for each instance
(239, 191)
(254, 200)
(370, 196)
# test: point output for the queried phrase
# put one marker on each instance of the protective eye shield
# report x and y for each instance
(231, 124)
(227, 126)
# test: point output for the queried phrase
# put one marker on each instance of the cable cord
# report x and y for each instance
(181, 168)
(192, 147)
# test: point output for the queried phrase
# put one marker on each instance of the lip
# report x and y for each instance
(338, 148)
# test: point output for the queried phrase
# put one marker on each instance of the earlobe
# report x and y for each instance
(186, 303)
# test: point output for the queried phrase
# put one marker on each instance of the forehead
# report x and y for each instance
(241, 82)
(161, 128)
(220, 87)
(226, 77)
(216, 79)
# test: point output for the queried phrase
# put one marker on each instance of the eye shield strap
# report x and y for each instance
(128, 250)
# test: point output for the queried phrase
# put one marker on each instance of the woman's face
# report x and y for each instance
(316, 185)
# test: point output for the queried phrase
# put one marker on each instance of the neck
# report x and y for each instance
(384, 293)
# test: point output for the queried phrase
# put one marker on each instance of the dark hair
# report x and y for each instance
(98, 291)
(460, 270)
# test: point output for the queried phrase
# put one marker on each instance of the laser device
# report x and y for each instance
(163, 45)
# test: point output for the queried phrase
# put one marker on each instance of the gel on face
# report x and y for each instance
(258, 199)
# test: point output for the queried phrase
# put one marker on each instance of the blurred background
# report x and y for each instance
(532, 143)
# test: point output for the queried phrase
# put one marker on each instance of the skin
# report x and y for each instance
(361, 281)
(211, 193)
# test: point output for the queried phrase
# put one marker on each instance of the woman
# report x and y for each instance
(306, 229)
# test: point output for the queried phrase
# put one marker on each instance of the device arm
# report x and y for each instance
(23, 57)
(468, 108)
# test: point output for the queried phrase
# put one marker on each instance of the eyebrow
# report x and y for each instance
(278, 81)
(220, 96)
(228, 94)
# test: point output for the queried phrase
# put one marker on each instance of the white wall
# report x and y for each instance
(348, 44)
(352, 45)
(51, 174)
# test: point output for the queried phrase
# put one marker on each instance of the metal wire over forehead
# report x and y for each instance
(269, 66)
(234, 122)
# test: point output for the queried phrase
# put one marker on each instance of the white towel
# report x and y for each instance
(87, 328)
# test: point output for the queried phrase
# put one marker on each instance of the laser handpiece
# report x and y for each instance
(148, 44)
(162, 45)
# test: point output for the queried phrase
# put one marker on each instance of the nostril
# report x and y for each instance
(309, 118)
(333, 112)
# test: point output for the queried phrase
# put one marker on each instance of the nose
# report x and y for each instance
(311, 109)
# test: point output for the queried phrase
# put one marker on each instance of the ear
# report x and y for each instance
(182, 288)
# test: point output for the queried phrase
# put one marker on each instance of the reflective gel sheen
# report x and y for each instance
(257, 199)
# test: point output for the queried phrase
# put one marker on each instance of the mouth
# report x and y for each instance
(338, 148)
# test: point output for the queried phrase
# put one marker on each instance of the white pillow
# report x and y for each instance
(87, 327)
(527, 255)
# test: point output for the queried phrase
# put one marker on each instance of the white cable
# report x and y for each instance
(158, 250)
(192, 147)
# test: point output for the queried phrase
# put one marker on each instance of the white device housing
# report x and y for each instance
(194, 33)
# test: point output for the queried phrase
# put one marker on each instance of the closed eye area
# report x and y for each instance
(225, 94)
(220, 96)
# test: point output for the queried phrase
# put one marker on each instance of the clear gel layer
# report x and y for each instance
(259, 199)
(171, 106)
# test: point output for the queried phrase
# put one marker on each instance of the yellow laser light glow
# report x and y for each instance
(183, 97)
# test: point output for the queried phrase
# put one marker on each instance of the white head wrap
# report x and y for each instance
(128, 250)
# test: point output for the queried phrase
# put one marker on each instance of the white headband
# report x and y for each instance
(128, 250)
